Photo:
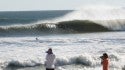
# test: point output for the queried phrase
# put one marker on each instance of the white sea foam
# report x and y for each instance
(78, 49)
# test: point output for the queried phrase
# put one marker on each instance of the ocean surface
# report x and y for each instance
(78, 38)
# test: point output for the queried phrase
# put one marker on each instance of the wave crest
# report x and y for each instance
(75, 26)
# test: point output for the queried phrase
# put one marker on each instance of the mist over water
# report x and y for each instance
(110, 17)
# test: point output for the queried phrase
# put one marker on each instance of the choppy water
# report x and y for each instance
(80, 50)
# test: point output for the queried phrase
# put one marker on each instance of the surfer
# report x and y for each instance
(105, 61)
(37, 39)
(50, 60)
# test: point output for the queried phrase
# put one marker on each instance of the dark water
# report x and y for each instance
(26, 17)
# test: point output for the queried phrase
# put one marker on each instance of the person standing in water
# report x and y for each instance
(105, 61)
(50, 60)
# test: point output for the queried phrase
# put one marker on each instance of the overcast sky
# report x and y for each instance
(20, 5)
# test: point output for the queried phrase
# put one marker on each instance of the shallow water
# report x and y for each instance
(73, 51)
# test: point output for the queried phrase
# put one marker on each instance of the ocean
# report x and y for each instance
(78, 38)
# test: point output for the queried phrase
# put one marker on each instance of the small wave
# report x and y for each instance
(28, 63)
(84, 60)
(20, 63)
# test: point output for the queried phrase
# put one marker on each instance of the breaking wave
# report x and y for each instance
(75, 26)
(85, 60)
(78, 21)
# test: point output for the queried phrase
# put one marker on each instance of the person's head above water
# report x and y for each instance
(105, 55)
(49, 51)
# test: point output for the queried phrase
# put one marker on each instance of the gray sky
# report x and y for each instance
(20, 5)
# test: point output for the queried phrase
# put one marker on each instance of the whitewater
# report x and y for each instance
(78, 38)
(73, 51)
